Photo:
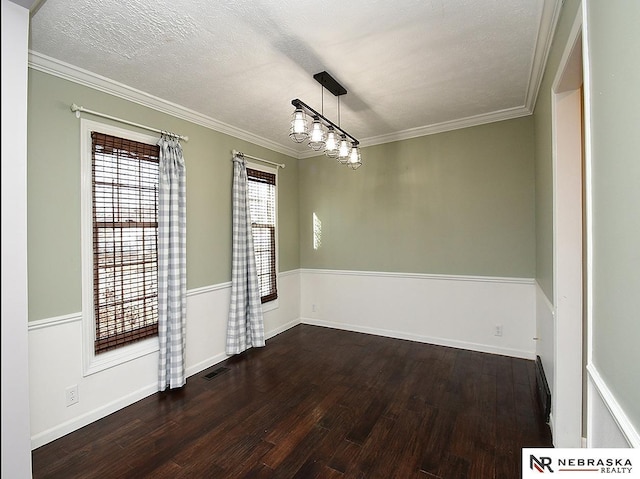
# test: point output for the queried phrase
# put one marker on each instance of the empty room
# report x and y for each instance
(317, 239)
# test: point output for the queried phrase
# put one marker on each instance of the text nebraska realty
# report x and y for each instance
(606, 466)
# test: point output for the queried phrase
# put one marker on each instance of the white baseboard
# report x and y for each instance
(281, 329)
(202, 365)
(87, 418)
(421, 339)
(218, 358)
(493, 315)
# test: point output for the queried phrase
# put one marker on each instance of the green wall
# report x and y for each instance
(54, 190)
(544, 152)
(614, 42)
(459, 202)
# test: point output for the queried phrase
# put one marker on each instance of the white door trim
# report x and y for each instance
(568, 183)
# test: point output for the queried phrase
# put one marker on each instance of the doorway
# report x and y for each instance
(569, 244)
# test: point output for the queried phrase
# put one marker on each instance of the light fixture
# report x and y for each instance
(325, 134)
(355, 160)
(344, 150)
(299, 127)
(331, 145)
(317, 138)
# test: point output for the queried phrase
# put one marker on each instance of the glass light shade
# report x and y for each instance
(317, 137)
(299, 128)
(331, 145)
(355, 160)
(344, 150)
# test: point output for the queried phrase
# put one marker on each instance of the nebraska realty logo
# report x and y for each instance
(580, 462)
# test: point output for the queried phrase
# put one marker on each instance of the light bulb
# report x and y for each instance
(331, 145)
(299, 129)
(343, 150)
(355, 160)
(317, 137)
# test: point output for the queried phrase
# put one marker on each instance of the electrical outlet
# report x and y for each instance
(72, 395)
(498, 330)
(314, 308)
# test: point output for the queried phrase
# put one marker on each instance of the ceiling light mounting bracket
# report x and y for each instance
(330, 83)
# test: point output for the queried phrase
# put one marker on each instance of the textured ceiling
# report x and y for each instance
(410, 67)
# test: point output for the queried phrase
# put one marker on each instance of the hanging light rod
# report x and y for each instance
(300, 104)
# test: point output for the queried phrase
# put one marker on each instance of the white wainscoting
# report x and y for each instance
(545, 343)
(545, 315)
(55, 360)
(457, 311)
(608, 424)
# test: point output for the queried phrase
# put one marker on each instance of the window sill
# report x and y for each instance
(100, 362)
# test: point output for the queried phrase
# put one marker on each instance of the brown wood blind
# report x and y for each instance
(262, 204)
(125, 240)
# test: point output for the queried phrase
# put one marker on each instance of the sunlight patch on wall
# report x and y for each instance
(317, 232)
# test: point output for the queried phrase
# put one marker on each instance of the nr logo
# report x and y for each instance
(540, 464)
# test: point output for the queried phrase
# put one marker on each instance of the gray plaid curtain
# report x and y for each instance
(172, 264)
(245, 328)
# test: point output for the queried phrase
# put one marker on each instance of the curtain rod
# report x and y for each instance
(77, 109)
(279, 165)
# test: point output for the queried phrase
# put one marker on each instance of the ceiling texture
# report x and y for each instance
(410, 67)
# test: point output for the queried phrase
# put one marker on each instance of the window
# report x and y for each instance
(119, 245)
(261, 193)
(125, 240)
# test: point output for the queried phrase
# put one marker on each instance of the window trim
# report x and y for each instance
(275, 303)
(91, 362)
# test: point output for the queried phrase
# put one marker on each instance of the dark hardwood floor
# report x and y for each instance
(320, 403)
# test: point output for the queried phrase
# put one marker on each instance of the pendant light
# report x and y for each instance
(299, 131)
(354, 161)
(317, 136)
(344, 150)
(331, 145)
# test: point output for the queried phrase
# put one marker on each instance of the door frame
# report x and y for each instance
(569, 242)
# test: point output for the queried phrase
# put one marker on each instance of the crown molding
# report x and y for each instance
(72, 73)
(476, 120)
(506, 114)
(549, 19)
(546, 31)
(28, 4)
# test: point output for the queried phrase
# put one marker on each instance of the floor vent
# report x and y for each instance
(215, 373)
(544, 393)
